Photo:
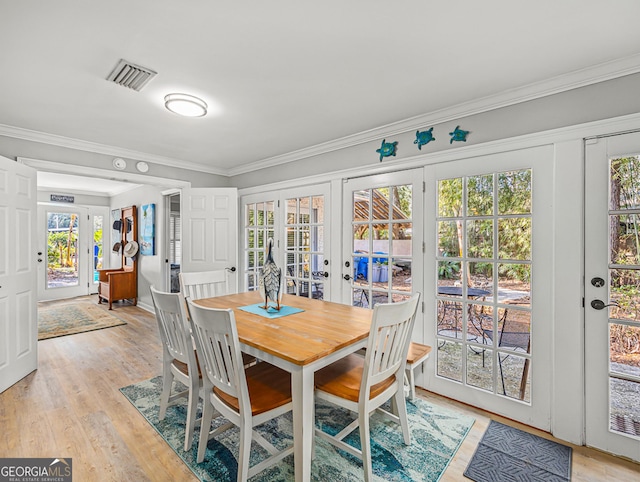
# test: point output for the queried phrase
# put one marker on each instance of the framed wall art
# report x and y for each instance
(148, 230)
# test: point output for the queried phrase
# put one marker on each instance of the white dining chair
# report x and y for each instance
(207, 284)
(179, 360)
(416, 356)
(204, 284)
(246, 397)
(364, 384)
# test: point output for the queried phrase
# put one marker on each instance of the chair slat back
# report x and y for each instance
(218, 347)
(204, 284)
(388, 344)
(174, 330)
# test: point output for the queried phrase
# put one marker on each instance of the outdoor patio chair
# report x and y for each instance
(510, 337)
(363, 385)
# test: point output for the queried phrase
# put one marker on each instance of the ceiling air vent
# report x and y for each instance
(128, 74)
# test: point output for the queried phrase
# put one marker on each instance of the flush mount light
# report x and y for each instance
(186, 105)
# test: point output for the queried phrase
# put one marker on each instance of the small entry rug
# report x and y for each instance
(507, 453)
(71, 317)
(436, 436)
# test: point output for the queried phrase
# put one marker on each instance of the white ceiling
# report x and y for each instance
(283, 75)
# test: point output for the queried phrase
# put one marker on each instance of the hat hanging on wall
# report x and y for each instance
(116, 247)
(130, 249)
(117, 224)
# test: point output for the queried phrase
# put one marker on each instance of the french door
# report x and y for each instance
(487, 295)
(296, 219)
(382, 250)
(612, 294)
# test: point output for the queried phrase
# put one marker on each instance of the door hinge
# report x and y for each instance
(423, 247)
(422, 307)
(278, 202)
(424, 186)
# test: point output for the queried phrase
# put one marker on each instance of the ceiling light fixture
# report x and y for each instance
(186, 105)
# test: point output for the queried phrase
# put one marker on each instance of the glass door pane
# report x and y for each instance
(483, 321)
(62, 250)
(98, 248)
(624, 295)
(304, 246)
(259, 226)
(381, 238)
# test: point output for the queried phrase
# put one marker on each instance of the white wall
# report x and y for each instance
(150, 268)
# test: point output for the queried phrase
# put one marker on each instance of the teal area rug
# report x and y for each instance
(436, 436)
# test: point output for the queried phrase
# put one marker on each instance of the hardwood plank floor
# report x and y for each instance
(71, 407)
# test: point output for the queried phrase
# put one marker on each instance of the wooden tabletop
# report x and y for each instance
(300, 338)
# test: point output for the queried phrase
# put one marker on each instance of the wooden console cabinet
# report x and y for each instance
(122, 283)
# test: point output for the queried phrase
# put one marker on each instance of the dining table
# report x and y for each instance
(300, 343)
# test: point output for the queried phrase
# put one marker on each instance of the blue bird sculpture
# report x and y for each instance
(270, 279)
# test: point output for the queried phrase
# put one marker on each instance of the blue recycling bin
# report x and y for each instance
(362, 267)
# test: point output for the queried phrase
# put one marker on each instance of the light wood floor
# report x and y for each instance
(71, 407)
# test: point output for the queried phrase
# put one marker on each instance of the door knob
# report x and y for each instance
(601, 305)
(347, 277)
(325, 274)
(39, 260)
(232, 269)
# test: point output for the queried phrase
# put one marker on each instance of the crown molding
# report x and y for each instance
(572, 80)
(77, 144)
(128, 177)
(600, 128)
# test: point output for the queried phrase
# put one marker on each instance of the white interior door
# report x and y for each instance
(612, 294)
(18, 302)
(210, 231)
(487, 290)
(65, 264)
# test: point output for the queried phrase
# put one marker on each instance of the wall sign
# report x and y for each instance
(61, 198)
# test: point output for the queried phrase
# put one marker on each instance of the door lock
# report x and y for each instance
(597, 282)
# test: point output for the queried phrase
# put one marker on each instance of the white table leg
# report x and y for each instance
(303, 432)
